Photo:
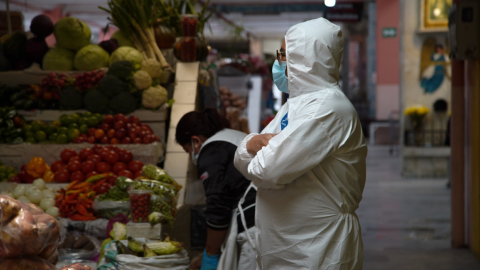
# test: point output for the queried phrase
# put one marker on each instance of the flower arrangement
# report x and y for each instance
(417, 115)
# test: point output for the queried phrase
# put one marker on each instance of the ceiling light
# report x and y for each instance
(330, 3)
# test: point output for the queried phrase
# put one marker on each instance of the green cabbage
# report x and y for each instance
(72, 33)
(59, 59)
(91, 57)
(129, 54)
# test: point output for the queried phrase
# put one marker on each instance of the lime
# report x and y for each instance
(3, 175)
(10, 170)
(82, 121)
(92, 121)
(36, 126)
(49, 129)
(56, 123)
(27, 128)
(11, 175)
(62, 130)
(29, 134)
(30, 140)
(83, 129)
(62, 139)
(73, 134)
(53, 137)
(87, 114)
(73, 125)
(65, 120)
(40, 136)
(74, 118)
(99, 117)
(3, 168)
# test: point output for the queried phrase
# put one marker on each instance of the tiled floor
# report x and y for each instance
(406, 222)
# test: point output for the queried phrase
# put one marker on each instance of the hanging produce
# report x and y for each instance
(136, 19)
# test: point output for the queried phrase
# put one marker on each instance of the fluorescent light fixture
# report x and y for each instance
(330, 3)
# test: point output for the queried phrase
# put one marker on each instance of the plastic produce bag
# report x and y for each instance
(113, 260)
(109, 209)
(25, 263)
(80, 253)
(153, 172)
(27, 231)
(159, 188)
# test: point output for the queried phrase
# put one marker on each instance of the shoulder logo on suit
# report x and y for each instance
(204, 176)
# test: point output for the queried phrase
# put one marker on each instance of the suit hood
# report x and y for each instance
(314, 53)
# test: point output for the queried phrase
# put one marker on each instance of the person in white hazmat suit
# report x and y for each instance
(309, 162)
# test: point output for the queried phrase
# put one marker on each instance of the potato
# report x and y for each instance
(48, 232)
(8, 208)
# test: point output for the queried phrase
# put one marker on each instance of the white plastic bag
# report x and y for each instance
(178, 261)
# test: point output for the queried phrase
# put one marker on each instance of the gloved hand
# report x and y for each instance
(210, 262)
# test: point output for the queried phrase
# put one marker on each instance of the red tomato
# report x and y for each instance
(103, 153)
(84, 136)
(97, 148)
(111, 133)
(108, 118)
(126, 157)
(77, 176)
(91, 139)
(105, 127)
(119, 117)
(57, 165)
(121, 133)
(148, 139)
(128, 126)
(119, 166)
(111, 158)
(88, 166)
(114, 141)
(76, 159)
(157, 139)
(118, 125)
(138, 174)
(74, 166)
(141, 134)
(126, 173)
(91, 132)
(111, 180)
(137, 141)
(67, 154)
(102, 188)
(103, 167)
(90, 174)
(126, 140)
(134, 120)
(79, 140)
(62, 176)
(138, 129)
(94, 158)
(135, 166)
(99, 133)
(104, 140)
(85, 152)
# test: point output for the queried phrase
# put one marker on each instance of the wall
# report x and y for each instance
(388, 59)
(412, 94)
(270, 46)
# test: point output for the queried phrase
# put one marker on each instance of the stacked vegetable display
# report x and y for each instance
(7, 172)
(38, 194)
(88, 162)
(29, 236)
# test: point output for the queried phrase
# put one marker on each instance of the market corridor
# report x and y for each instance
(406, 222)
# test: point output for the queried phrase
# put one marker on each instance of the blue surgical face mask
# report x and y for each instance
(194, 156)
(279, 77)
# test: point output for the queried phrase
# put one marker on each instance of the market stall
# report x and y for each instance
(83, 130)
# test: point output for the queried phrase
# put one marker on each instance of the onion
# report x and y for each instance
(47, 203)
(52, 211)
(48, 194)
(34, 195)
(39, 183)
(28, 188)
(18, 192)
(24, 199)
(8, 193)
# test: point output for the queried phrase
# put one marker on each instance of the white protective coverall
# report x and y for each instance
(310, 177)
